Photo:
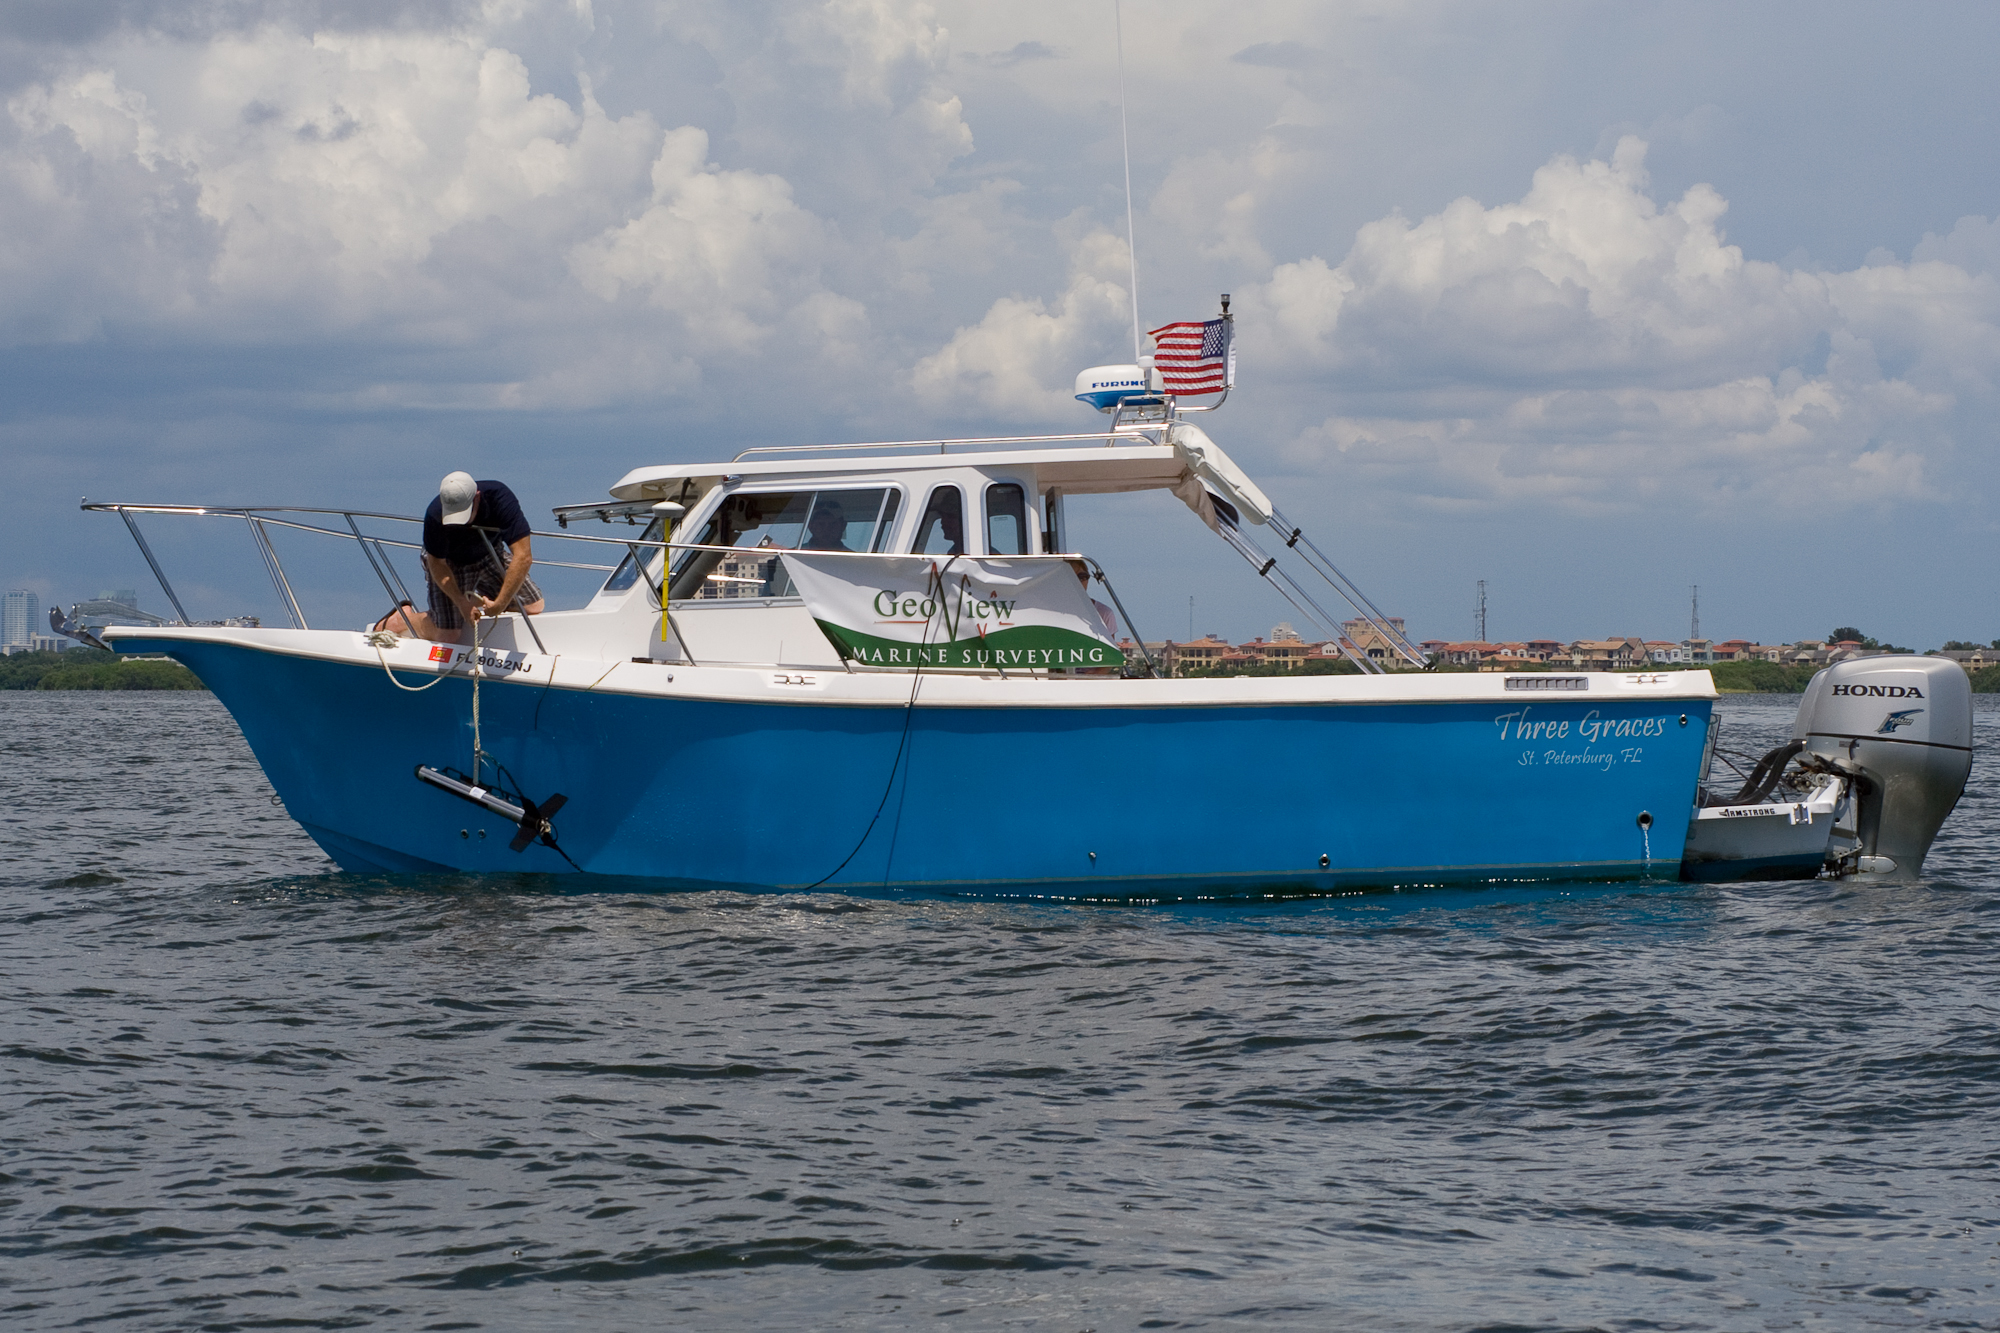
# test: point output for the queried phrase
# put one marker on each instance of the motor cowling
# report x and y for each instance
(1901, 727)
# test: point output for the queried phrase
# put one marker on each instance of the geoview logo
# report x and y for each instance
(1880, 691)
(912, 608)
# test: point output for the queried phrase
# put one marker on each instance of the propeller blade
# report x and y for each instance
(535, 822)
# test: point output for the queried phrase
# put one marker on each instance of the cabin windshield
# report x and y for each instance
(843, 520)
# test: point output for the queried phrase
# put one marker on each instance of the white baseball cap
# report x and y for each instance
(457, 494)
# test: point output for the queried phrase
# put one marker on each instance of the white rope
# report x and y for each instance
(375, 638)
(477, 750)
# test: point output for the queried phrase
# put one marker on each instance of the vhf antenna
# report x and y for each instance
(1125, 140)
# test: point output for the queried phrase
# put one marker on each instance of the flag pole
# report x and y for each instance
(1125, 140)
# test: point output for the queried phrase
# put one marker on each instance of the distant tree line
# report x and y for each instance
(92, 669)
(1847, 633)
(1312, 666)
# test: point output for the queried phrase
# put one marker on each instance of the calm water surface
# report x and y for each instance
(238, 1090)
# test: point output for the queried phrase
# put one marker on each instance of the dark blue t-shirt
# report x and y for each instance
(460, 544)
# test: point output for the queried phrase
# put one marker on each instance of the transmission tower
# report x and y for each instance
(1480, 616)
(1694, 612)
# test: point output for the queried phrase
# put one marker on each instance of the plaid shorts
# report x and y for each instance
(479, 579)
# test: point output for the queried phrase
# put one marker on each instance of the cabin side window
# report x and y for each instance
(941, 531)
(759, 524)
(1006, 519)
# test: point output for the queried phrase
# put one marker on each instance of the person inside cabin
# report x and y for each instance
(1103, 612)
(941, 531)
(476, 557)
(826, 527)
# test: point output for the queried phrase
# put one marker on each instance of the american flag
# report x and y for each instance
(1195, 358)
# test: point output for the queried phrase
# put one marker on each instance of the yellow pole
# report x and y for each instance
(669, 514)
(666, 577)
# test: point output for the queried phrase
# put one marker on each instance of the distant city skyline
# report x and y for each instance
(24, 625)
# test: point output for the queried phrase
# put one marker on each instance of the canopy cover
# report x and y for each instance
(952, 611)
(1212, 474)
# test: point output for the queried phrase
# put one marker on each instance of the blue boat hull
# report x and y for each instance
(1187, 800)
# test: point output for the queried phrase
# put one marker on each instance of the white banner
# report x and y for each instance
(926, 611)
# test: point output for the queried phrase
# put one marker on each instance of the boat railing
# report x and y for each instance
(1118, 434)
(260, 519)
(375, 547)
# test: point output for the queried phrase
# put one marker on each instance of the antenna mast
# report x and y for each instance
(1125, 140)
(1481, 613)
(1694, 613)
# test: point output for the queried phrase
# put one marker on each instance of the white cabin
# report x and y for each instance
(739, 609)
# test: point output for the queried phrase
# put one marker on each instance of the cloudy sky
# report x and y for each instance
(1591, 301)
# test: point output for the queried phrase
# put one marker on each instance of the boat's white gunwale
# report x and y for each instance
(824, 687)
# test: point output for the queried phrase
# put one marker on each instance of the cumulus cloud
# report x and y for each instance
(476, 195)
(1022, 358)
(730, 246)
(412, 184)
(1602, 351)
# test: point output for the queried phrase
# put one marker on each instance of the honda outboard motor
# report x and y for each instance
(1900, 728)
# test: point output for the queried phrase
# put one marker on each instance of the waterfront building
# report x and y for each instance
(1662, 651)
(1291, 653)
(1623, 654)
(1356, 627)
(1470, 652)
(1204, 653)
(1696, 651)
(1972, 659)
(20, 619)
(1373, 643)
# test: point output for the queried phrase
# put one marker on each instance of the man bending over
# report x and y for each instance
(465, 529)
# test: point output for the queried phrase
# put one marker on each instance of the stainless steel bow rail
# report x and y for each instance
(259, 519)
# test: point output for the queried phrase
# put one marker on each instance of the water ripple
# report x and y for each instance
(242, 1091)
